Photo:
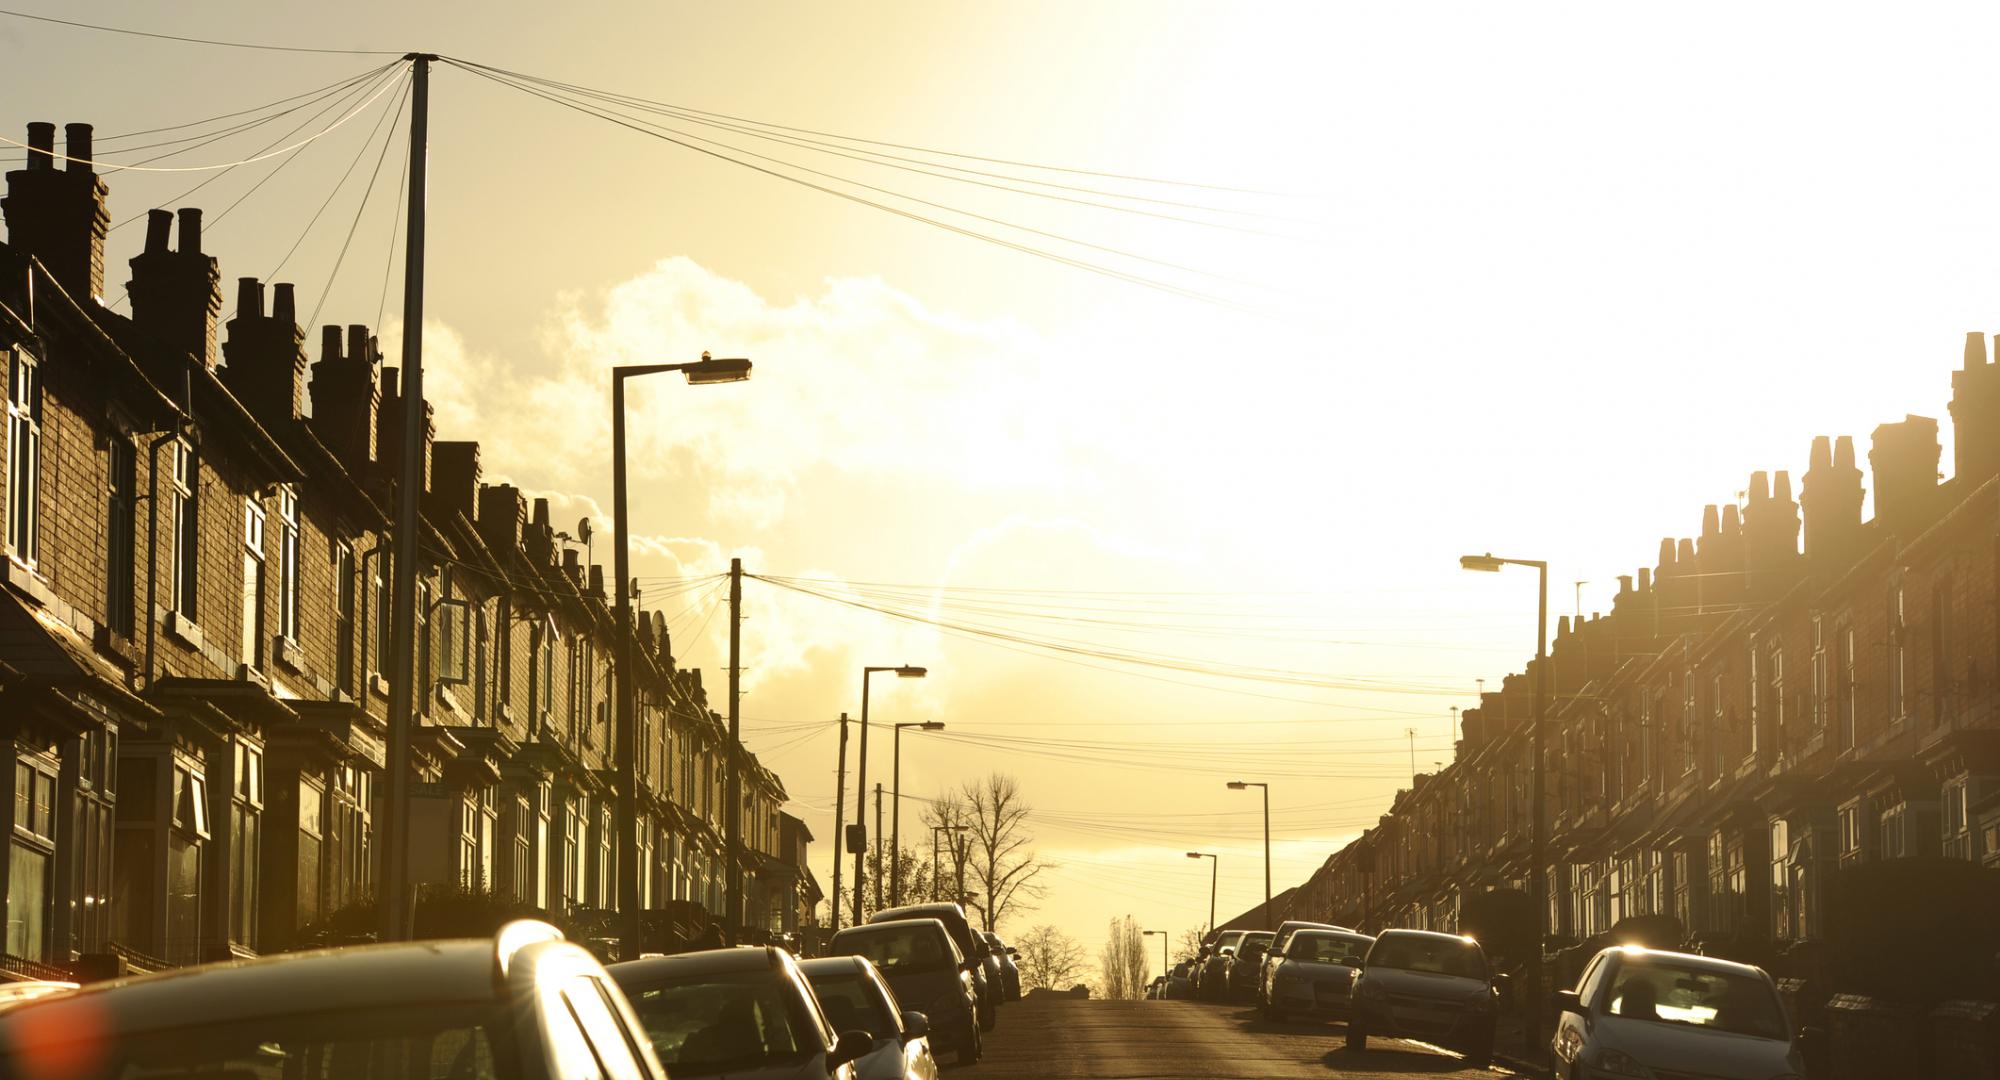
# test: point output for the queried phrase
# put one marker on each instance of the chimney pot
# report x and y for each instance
(1843, 452)
(41, 145)
(159, 226)
(1645, 579)
(76, 145)
(284, 305)
(1624, 584)
(329, 344)
(1781, 486)
(1711, 521)
(1666, 553)
(249, 298)
(541, 518)
(1822, 454)
(1975, 350)
(190, 230)
(1760, 486)
(357, 341)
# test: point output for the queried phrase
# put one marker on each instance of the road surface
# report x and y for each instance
(1060, 1038)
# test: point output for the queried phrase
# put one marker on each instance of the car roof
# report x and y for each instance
(1427, 935)
(319, 981)
(1330, 932)
(835, 965)
(1689, 960)
(888, 925)
(706, 962)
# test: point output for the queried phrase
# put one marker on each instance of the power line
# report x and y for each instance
(395, 110)
(201, 41)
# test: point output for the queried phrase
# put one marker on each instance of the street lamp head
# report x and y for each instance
(932, 725)
(1196, 855)
(1238, 785)
(706, 370)
(1486, 563)
(909, 672)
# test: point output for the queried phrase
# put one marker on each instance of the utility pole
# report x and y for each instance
(878, 845)
(839, 817)
(733, 899)
(1412, 733)
(403, 692)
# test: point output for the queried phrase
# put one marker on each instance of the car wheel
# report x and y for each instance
(1357, 1039)
(972, 1048)
(989, 1016)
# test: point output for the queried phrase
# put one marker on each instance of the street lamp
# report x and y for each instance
(701, 372)
(1214, 871)
(1245, 785)
(896, 810)
(935, 879)
(1162, 935)
(905, 671)
(1537, 875)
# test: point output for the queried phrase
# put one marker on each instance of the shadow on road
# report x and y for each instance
(1254, 1022)
(1390, 1060)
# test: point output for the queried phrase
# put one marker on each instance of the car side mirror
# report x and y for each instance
(1012, 951)
(915, 1025)
(1565, 1001)
(852, 1046)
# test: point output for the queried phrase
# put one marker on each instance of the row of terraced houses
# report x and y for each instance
(1792, 692)
(194, 634)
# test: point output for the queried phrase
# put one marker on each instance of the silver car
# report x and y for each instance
(855, 998)
(1423, 985)
(744, 1013)
(1636, 1012)
(1315, 974)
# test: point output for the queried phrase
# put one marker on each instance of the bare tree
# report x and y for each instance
(1121, 966)
(916, 880)
(1190, 945)
(996, 868)
(1050, 959)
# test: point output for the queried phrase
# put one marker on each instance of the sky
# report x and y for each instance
(1540, 279)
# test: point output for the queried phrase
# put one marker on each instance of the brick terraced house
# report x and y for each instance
(194, 634)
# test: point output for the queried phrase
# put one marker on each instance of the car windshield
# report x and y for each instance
(1443, 956)
(408, 1043)
(897, 950)
(1669, 993)
(1349, 949)
(853, 1003)
(1258, 941)
(723, 1020)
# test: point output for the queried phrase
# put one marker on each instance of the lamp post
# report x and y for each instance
(896, 810)
(1162, 935)
(1537, 875)
(1214, 871)
(936, 881)
(701, 372)
(1244, 785)
(861, 772)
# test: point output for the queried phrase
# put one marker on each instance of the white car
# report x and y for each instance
(1640, 1013)
(854, 997)
(1316, 974)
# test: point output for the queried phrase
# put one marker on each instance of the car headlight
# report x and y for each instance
(1620, 1063)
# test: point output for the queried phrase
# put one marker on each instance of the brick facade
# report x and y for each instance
(195, 769)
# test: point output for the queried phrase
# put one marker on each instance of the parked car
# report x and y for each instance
(978, 955)
(1638, 1012)
(1180, 984)
(1315, 974)
(1241, 971)
(1010, 972)
(925, 970)
(18, 990)
(527, 998)
(1215, 970)
(854, 997)
(1283, 937)
(747, 1012)
(1424, 985)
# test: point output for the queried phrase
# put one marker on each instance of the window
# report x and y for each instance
(24, 454)
(120, 525)
(349, 858)
(1846, 706)
(1816, 707)
(607, 863)
(1781, 861)
(1770, 715)
(91, 877)
(187, 530)
(574, 848)
(1891, 844)
(1957, 834)
(1715, 728)
(1850, 831)
(253, 584)
(1896, 635)
(378, 660)
(186, 837)
(1689, 713)
(1944, 639)
(246, 812)
(288, 563)
(312, 846)
(344, 589)
(31, 857)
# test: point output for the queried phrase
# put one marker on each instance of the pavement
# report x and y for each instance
(1060, 1037)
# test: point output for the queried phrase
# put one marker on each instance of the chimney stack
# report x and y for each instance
(1905, 462)
(265, 356)
(503, 513)
(1975, 417)
(346, 401)
(59, 216)
(177, 295)
(389, 432)
(455, 478)
(1831, 500)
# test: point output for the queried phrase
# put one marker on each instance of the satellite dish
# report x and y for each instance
(583, 531)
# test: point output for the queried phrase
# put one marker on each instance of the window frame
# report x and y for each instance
(24, 456)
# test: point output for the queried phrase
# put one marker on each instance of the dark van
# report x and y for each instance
(978, 955)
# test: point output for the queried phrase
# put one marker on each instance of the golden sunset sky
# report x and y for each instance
(1536, 279)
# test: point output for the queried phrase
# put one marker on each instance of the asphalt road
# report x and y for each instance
(1058, 1038)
